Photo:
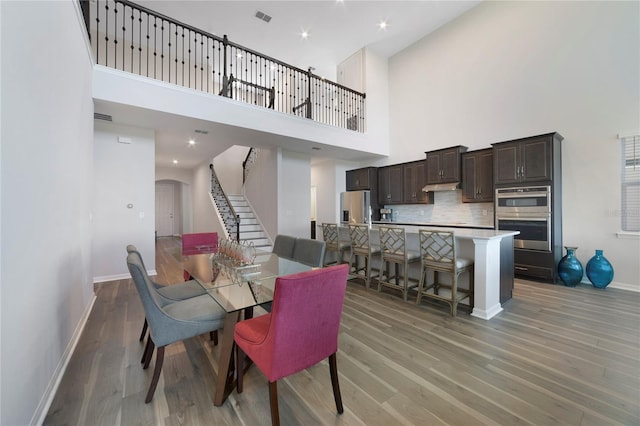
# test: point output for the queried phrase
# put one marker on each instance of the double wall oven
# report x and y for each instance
(526, 209)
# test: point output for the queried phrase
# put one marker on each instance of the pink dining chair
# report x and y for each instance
(202, 242)
(300, 331)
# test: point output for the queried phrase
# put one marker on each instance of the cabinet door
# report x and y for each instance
(352, 180)
(506, 163)
(484, 176)
(469, 173)
(395, 184)
(536, 160)
(450, 165)
(384, 192)
(414, 180)
(358, 179)
(434, 167)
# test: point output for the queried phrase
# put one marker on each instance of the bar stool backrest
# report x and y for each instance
(392, 241)
(438, 249)
(330, 235)
(359, 235)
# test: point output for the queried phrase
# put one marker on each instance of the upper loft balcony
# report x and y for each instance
(150, 62)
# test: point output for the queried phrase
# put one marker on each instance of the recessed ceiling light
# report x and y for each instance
(383, 24)
(192, 143)
(175, 161)
(304, 34)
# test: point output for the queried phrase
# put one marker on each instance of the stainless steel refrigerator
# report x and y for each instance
(355, 207)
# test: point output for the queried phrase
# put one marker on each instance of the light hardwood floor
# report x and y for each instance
(556, 355)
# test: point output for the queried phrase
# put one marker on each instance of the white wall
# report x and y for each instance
(261, 189)
(46, 166)
(174, 173)
(506, 70)
(377, 100)
(294, 194)
(123, 174)
(205, 218)
(183, 178)
(228, 167)
(329, 178)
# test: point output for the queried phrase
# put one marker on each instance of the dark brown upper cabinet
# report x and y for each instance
(443, 165)
(415, 178)
(524, 160)
(390, 184)
(362, 179)
(477, 176)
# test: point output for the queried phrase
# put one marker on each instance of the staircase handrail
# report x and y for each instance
(248, 161)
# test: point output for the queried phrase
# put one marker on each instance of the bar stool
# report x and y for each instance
(438, 253)
(332, 238)
(361, 247)
(393, 246)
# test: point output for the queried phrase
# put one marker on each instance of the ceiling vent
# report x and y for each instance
(202, 132)
(263, 16)
(105, 117)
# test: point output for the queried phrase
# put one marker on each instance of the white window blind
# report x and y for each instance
(631, 183)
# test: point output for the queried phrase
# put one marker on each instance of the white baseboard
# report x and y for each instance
(117, 277)
(625, 286)
(47, 398)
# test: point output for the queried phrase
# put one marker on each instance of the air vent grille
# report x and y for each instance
(263, 16)
(202, 132)
(105, 117)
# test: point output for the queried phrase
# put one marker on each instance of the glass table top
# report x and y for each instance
(236, 287)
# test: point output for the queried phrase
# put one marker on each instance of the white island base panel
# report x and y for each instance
(485, 246)
(486, 303)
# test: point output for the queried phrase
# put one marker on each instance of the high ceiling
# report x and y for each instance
(336, 30)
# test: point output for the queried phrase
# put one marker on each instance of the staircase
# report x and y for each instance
(250, 229)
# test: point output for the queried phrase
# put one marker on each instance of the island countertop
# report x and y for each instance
(431, 225)
(460, 232)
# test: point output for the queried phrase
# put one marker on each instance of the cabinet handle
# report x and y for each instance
(520, 268)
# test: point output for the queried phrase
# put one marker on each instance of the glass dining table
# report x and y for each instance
(237, 289)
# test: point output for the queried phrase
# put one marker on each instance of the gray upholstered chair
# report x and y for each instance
(171, 292)
(394, 252)
(310, 252)
(439, 254)
(331, 236)
(284, 245)
(171, 322)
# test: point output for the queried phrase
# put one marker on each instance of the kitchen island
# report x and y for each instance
(492, 252)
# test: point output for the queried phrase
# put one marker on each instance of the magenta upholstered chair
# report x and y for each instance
(202, 242)
(300, 331)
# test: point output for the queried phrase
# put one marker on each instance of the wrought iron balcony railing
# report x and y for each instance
(131, 38)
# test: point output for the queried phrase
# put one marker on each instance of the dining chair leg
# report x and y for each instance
(239, 368)
(144, 329)
(148, 353)
(333, 369)
(156, 374)
(273, 400)
(146, 350)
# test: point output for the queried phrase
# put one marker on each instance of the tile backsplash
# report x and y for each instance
(447, 209)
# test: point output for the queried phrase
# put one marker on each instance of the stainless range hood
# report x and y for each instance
(451, 186)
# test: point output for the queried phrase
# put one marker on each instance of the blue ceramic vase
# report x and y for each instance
(569, 268)
(599, 270)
